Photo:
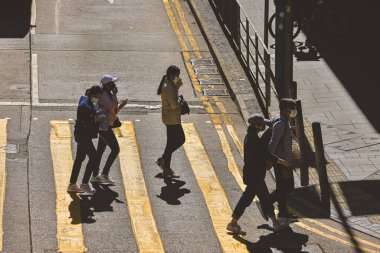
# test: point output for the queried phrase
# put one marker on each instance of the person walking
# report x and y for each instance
(255, 156)
(281, 145)
(86, 129)
(171, 117)
(109, 103)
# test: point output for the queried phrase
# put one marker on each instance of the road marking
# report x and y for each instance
(139, 207)
(3, 173)
(187, 29)
(175, 25)
(33, 17)
(111, 1)
(334, 238)
(215, 197)
(69, 236)
(34, 80)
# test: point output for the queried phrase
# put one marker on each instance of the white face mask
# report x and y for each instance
(176, 79)
(293, 113)
(94, 100)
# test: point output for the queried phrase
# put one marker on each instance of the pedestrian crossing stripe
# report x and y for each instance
(137, 198)
(3, 173)
(69, 236)
(215, 197)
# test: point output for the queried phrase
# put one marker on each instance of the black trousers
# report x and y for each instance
(84, 147)
(259, 189)
(106, 138)
(175, 139)
(283, 187)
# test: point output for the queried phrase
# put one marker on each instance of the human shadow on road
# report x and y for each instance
(15, 18)
(286, 241)
(172, 192)
(100, 202)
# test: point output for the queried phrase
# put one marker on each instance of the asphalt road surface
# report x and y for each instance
(70, 46)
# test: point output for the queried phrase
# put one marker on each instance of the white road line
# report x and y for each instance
(33, 17)
(34, 80)
(111, 1)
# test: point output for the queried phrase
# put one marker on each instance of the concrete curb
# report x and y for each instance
(239, 101)
(230, 84)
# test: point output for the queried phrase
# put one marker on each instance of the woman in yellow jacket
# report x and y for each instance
(171, 117)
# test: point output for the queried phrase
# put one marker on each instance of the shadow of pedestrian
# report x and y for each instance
(286, 241)
(100, 202)
(15, 18)
(172, 191)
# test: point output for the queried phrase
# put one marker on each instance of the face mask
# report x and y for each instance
(176, 79)
(94, 100)
(293, 113)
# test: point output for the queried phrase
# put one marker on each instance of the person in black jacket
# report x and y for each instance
(254, 170)
(86, 129)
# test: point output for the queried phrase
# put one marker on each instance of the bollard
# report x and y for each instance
(300, 132)
(321, 166)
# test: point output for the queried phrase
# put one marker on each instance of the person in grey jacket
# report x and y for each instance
(281, 146)
(171, 117)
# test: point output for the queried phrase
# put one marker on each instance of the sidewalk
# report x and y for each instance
(352, 145)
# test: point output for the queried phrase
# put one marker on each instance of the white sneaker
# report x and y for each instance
(98, 180)
(87, 189)
(258, 204)
(108, 180)
(74, 188)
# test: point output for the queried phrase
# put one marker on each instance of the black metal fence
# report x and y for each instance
(252, 50)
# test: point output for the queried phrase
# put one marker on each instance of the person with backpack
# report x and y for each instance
(280, 144)
(255, 156)
(86, 129)
(171, 117)
(109, 106)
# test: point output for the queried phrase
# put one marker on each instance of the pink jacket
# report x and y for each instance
(111, 104)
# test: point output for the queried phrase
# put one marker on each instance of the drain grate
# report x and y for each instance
(206, 71)
(208, 92)
(202, 62)
(213, 81)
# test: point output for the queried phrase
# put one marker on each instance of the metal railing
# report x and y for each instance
(252, 50)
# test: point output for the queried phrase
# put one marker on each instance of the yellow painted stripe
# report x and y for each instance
(215, 197)
(139, 207)
(3, 173)
(175, 25)
(230, 127)
(70, 236)
(187, 29)
(334, 238)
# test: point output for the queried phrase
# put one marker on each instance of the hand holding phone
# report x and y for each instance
(123, 103)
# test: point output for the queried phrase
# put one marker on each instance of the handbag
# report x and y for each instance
(185, 109)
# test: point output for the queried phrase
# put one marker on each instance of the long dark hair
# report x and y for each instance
(171, 71)
(93, 90)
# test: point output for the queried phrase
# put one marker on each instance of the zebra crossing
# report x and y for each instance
(70, 235)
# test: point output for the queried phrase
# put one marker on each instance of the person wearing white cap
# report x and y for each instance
(109, 103)
(255, 156)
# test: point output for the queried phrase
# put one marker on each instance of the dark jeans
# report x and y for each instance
(106, 138)
(283, 187)
(261, 190)
(175, 139)
(84, 147)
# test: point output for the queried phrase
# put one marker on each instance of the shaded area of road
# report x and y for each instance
(15, 18)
